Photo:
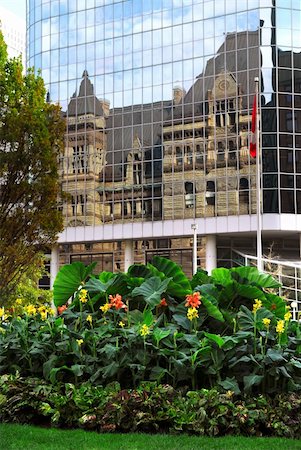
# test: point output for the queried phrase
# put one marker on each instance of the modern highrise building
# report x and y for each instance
(157, 96)
(14, 32)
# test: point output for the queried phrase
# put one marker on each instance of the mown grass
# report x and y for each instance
(23, 437)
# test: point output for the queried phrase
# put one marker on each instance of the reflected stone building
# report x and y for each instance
(158, 98)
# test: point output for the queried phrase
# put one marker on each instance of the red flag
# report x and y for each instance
(253, 129)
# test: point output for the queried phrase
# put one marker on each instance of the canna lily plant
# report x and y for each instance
(154, 323)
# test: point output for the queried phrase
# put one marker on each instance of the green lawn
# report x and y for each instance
(18, 437)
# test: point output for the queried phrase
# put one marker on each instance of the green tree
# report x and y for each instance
(31, 138)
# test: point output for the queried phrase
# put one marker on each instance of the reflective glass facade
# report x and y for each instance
(158, 97)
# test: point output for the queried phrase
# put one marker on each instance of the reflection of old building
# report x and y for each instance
(168, 151)
(178, 159)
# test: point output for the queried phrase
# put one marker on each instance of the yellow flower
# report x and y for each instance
(257, 305)
(83, 296)
(280, 327)
(41, 309)
(144, 330)
(43, 315)
(2, 312)
(89, 319)
(79, 342)
(229, 394)
(287, 316)
(51, 311)
(31, 310)
(266, 322)
(121, 324)
(192, 313)
(19, 301)
(105, 308)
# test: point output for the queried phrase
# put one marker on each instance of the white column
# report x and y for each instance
(128, 255)
(54, 264)
(210, 253)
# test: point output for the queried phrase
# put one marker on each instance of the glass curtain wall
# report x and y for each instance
(158, 95)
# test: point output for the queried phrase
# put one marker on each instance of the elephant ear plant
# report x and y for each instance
(234, 287)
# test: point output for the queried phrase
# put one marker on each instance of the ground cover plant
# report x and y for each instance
(150, 408)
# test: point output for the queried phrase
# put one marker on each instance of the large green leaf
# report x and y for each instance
(209, 299)
(252, 380)
(250, 292)
(133, 282)
(182, 321)
(215, 338)
(138, 270)
(230, 384)
(151, 290)
(199, 278)
(275, 355)
(275, 304)
(154, 272)
(110, 370)
(211, 309)
(119, 285)
(221, 276)
(157, 373)
(248, 274)
(159, 334)
(209, 291)
(246, 319)
(136, 316)
(106, 276)
(96, 286)
(69, 278)
(148, 318)
(180, 284)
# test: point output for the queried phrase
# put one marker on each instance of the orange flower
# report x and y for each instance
(163, 302)
(116, 302)
(61, 309)
(193, 300)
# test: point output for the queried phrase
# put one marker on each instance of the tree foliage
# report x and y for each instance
(31, 138)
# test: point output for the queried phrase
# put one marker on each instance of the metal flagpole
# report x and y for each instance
(194, 228)
(258, 179)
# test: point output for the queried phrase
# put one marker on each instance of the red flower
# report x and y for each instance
(163, 302)
(193, 300)
(116, 302)
(61, 309)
